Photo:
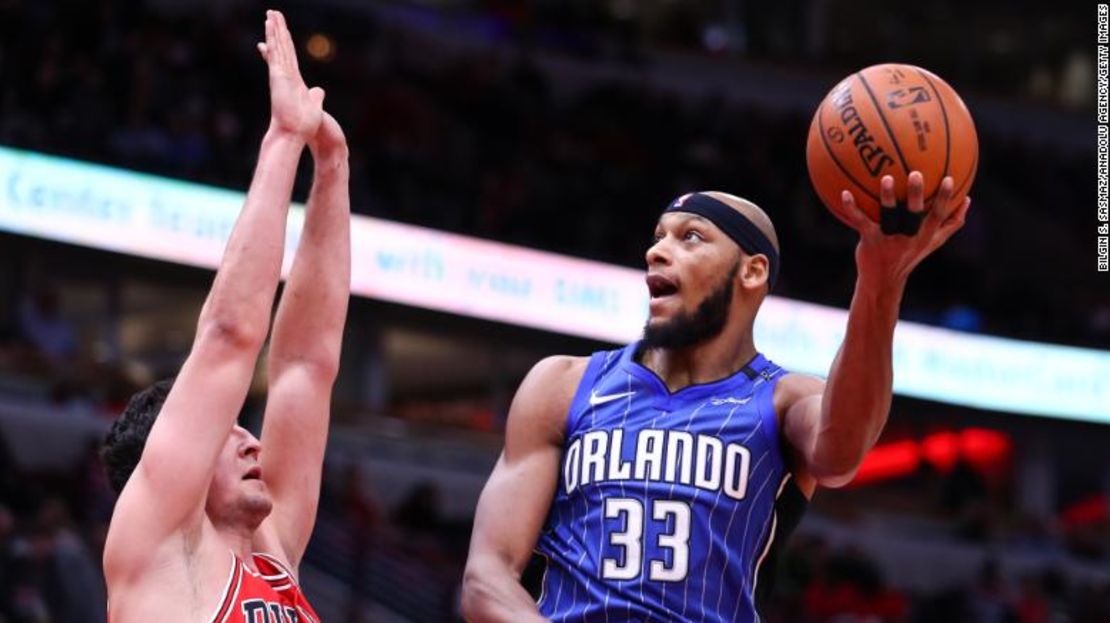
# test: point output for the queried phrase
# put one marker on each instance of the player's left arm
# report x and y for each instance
(304, 351)
(831, 425)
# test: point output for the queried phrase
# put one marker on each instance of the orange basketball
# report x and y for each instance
(889, 120)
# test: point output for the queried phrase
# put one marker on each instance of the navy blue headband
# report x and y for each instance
(734, 224)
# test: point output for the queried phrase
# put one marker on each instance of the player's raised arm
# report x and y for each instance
(304, 350)
(166, 493)
(832, 430)
(523, 480)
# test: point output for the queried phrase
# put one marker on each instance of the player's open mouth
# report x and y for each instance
(660, 286)
(254, 473)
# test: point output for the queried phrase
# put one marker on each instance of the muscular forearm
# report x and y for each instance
(310, 318)
(493, 595)
(242, 295)
(857, 396)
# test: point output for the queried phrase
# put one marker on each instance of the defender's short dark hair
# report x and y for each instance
(123, 446)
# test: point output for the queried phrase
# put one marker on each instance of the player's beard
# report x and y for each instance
(690, 329)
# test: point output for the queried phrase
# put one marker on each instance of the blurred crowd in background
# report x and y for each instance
(495, 145)
(479, 143)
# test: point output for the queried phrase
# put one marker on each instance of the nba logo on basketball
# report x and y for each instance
(890, 120)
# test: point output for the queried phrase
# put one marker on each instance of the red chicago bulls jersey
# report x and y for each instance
(269, 596)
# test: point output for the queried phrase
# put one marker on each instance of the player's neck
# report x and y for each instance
(712, 360)
(239, 539)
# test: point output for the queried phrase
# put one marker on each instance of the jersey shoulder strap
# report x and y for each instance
(231, 591)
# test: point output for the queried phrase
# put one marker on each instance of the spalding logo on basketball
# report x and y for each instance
(889, 120)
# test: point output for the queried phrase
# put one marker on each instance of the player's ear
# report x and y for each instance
(754, 271)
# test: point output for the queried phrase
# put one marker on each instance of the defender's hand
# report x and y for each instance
(885, 259)
(294, 108)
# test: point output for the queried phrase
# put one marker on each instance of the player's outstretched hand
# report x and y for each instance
(294, 108)
(889, 258)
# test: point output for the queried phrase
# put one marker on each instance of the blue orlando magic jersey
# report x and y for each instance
(669, 505)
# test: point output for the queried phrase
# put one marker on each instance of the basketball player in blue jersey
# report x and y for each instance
(659, 480)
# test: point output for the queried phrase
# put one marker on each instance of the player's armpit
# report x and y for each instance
(166, 494)
(518, 495)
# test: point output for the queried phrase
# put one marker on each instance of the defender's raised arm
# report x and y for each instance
(165, 496)
(304, 351)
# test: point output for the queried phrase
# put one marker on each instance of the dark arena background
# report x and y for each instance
(508, 161)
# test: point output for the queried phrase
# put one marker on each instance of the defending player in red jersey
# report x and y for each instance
(211, 523)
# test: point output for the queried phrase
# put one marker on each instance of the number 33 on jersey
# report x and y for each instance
(669, 505)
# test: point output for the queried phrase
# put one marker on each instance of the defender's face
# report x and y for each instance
(689, 258)
(238, 492)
